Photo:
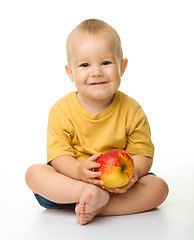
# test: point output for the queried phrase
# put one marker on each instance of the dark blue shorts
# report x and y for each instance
(51, 205)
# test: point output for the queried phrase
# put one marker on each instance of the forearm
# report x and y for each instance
(77, 170)
(142, 164)
(67, 165)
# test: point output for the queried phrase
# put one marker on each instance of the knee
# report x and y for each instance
(31, 174)
(35, 174)
(161, 191)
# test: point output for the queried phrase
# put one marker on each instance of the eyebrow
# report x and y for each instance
(86, 60)
(81, 60)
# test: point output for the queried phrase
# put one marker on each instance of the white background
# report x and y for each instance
(157, 39)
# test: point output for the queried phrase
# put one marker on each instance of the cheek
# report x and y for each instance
(117, 71)
(78, 76)
(116, 75)
(113, 72)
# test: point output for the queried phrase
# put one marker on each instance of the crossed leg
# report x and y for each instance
(47, 182)
(147, 193)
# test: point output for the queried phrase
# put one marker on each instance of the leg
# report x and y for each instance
(47, 182)
(148, 193)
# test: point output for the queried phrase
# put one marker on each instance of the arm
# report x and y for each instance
(69, 166)
(142, 165)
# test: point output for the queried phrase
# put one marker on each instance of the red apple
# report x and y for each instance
(116, 167)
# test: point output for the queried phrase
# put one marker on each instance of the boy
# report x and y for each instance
(91, 121)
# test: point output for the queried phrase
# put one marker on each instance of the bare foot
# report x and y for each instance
(90, 204)
(84, 218)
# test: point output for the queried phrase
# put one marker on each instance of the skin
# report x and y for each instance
(96, 69)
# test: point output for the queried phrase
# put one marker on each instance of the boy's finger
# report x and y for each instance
(95, 156)
(91, 174)
(110, 190)
(96, 182)
(92, 165)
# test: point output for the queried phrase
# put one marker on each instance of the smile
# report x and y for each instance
(98, 83)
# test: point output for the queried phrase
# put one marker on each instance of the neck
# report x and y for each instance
(94, 106)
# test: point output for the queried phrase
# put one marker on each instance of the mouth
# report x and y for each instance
(98, 83)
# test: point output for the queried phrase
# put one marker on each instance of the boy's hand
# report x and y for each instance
(85, 170)
(124, 188)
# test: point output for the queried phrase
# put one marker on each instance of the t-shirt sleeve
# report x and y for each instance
(139, 135)
(58, 138)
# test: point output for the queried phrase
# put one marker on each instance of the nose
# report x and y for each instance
(96, 71)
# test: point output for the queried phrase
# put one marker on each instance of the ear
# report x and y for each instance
(123, 65)
(69, 72)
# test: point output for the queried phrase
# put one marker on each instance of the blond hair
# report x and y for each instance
(94, 26)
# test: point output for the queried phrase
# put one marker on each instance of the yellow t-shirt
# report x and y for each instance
(72, 130)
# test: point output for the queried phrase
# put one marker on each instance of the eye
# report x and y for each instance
(84, 65)
(106, 63)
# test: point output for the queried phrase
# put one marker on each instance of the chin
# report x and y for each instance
(102, 94)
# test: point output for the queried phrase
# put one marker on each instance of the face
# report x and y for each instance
(94, 65)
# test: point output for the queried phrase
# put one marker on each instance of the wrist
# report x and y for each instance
(78, 171)
(137, 172)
